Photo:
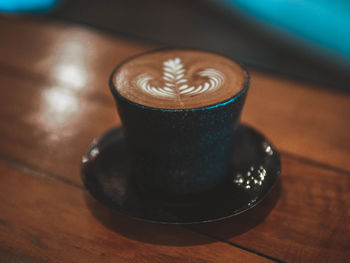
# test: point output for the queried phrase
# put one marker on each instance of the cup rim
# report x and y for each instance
(231, 99)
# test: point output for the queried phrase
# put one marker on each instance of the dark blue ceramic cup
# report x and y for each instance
(180, 152)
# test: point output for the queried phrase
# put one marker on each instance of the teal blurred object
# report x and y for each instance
(324, 23)
(24, 6)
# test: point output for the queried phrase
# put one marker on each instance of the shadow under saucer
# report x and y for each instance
(175, 235)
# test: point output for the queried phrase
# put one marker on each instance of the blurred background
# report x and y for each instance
(303, 39)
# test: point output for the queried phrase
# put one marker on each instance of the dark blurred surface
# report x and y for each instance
(201, 24)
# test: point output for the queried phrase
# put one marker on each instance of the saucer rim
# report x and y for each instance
(124, 212)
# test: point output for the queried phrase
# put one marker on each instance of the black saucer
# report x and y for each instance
(106, 174)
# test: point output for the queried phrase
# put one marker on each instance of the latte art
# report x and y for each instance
(175, 83)
(179, 79)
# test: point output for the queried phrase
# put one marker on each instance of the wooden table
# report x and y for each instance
(54, 100)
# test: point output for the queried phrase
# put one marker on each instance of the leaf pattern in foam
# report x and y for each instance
(175, 83)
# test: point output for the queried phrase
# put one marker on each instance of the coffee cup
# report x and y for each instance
(179, 109)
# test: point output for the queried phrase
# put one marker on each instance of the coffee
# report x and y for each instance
(179, 110)
(179, 79)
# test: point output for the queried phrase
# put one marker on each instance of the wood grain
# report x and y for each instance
(306, 189)
(39, 130)
(45, 220)
(51, 50)
(305, 219)
(54, 101)
(299, 118)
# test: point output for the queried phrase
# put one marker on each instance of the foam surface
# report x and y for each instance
(179, 79)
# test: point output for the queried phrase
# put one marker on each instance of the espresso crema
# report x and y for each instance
(179, 79)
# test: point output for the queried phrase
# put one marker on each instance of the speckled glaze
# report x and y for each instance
(180, 152)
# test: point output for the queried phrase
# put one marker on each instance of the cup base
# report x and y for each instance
(255, 168)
